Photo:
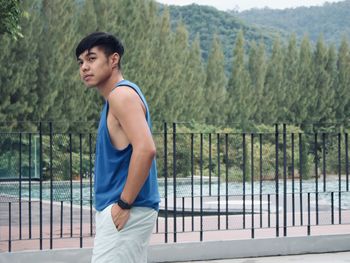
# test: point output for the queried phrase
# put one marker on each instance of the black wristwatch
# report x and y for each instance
(123, 205)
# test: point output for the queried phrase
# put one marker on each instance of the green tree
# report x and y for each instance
(273, 84)
(342, 105)
(6, 55)
(193, 94)
(10, 14)
(180, 52)
(289, 95)
(239, 93)
(87, 18)
(332, 71)
(215, 85)
(163, 55)
(257, 72)
(145, 55)
(90, 100)
(57, 77)
(322, 109)
(307, 93)
(18, 80)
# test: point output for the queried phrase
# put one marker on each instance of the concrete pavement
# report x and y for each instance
(340, 257)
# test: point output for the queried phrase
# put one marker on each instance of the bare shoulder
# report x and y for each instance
(123, 99)
(122, 94)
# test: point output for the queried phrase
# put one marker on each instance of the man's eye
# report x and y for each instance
(92, 58)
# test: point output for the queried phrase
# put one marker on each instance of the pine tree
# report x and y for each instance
(18, 76)
(6, 55)
(87, 18)
(239, 101)
(332, 70)
(307, 92)
(320, 111)
(257, 72)
(193, 73)
(273, 85)
(108, 16)
(343, 88)
(142, 63)
(215, 84)
(90, 100)
(289, 96)
(181, 86)
(57, 66)
(164, 58)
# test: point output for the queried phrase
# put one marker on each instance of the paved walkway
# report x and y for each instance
(341, 257)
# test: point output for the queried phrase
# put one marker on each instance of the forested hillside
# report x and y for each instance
(331, 20)
(292, 83)
(206, 21)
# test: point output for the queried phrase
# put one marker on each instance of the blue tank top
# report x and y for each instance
(112, 165)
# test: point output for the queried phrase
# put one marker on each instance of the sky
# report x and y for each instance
(241, 5)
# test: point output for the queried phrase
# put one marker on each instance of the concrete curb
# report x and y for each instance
(248, 248)
(209, 250)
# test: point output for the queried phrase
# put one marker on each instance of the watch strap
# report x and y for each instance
(123, 205)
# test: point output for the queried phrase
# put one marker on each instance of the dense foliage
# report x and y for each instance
(292, 83)
(331, 20)
(268, 81)
(207, 21)
(9, 17)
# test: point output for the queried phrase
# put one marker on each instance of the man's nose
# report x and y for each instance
(84, 66)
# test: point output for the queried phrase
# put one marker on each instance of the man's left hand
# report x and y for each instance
(119, 216)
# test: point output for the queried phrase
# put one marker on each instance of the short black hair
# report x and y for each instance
(109, 43)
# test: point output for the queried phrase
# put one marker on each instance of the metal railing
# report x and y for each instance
(212, 185)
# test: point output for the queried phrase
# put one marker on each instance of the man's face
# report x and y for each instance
(94, 67)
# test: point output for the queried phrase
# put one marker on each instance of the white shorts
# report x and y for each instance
(128, 245)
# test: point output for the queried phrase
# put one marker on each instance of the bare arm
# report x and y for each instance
(127, 107)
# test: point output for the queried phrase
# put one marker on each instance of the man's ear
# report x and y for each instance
(115, 58)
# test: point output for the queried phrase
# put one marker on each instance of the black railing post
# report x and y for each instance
(252, 186)
(165, 174)
(30, 187)
(293, 181)
(261, 178)
(81, 188)
(201, 186)
(226, 177)
(51, 185)
(277, 181)
(219, 175)
(192, 180)
(316, 175)
(347, 161)
(61, 220)
(284, 180)
(210, 164)
(174, 179)
(90, 179)
(324, 161)
(308, 214)
(41, 186)
(20, 187)
(71, 182)
(10, 227)
(339, 176)
(332, 208)
(244, 178)
(268, 210)
(301, 179)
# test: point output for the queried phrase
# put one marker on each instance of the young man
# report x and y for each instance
(125, 183)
